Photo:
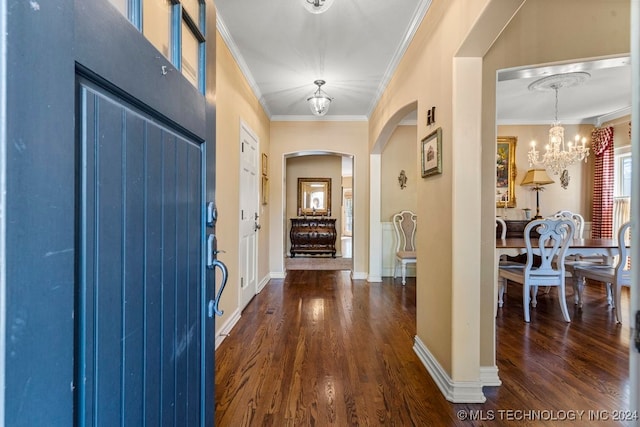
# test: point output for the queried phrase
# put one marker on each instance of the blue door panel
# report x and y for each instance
(194, 293)
(153, 272)
(169, 279)
(108, 275)
(134, 263)
(141, 290)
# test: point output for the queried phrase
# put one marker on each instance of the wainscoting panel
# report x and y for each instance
(389, 252)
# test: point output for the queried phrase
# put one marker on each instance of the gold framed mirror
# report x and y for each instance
(314, 196)
(506, 172)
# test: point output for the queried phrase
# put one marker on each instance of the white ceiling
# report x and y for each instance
(355, 46)
(605, 95)
(282, 48)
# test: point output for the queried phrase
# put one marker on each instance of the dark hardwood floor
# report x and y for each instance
(318, 349)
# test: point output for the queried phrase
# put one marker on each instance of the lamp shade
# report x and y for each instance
(536, 177)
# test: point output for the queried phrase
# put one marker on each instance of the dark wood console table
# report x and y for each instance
(515, 228)
(313, 235)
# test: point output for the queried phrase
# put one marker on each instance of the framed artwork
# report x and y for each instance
(314, 196)
(265, 165)
(265, 190)
(431, 153)
(506, 172)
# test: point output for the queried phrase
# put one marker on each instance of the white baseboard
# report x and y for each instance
(453, 391)
(489, 376)
(359, 275)
(277, 275)
(226, 328)
(263, 283)
(374, 279)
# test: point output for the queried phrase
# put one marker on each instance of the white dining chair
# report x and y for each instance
(577, 219)
(613, 276)
(500, 223)
(571, 261)
(405, 224)
(552, 243)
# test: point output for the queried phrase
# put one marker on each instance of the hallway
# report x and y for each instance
(319, 349)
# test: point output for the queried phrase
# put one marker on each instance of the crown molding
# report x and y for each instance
(244, 68)
(418, 16)
(311, 118)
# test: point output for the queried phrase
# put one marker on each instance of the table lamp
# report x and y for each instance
(536, 178)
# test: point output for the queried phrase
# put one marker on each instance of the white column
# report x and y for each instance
(375, 227)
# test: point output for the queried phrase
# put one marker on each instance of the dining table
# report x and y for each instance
(606, 248)
(583, 247)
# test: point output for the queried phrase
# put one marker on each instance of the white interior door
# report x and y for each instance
(249, 219)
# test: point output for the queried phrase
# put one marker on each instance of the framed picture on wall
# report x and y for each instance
(506, 172)
(265, 165)
(431, 153)
(265, 190)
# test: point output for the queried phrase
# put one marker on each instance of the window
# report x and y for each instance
(175, 28)
(622, 175)
(622, 188)
(156, 24)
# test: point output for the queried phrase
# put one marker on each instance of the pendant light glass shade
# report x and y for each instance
(317, 6)
(319, 102)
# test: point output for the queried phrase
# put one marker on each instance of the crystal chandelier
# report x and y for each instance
(317, 6)
(558, 154)
(319, 102)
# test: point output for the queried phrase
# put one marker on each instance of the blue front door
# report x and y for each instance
(140, 299)
(109, 160)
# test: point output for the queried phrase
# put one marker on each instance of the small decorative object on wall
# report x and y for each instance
(431, 116)
(265, 190)
(265, 165)
(564, 179)
(431, 153)
(506, 172)
(402, 179)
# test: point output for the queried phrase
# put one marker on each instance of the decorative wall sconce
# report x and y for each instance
(402, 179)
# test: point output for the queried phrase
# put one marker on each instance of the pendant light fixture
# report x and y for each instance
(317, 6)
(558, 153)
(319, 102)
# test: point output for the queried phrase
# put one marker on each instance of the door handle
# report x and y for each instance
(213, 305)
(212, 264)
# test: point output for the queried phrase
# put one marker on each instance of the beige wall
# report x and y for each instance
(318, 166)
(578, 195)
(621, 128)
(235, 102)
(398, 155)
(425, 75)
(348, 138)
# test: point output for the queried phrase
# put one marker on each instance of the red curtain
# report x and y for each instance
(602, 211)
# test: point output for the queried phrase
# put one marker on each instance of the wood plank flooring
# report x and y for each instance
(318, 349)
